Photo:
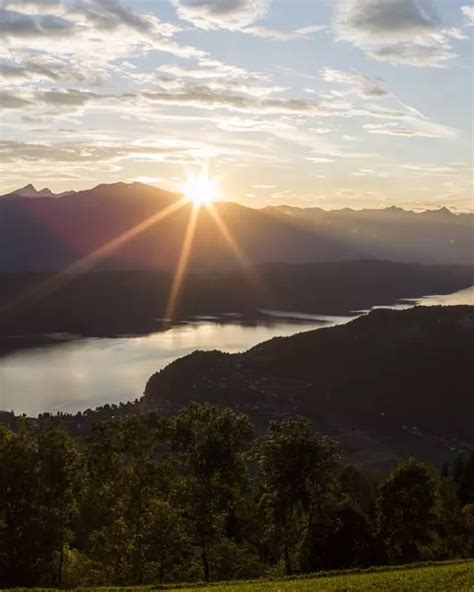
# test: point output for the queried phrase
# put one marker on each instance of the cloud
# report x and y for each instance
(282, 34)
(98, 32)
(468, 12)
(205, 97)
(420, 129)
(208, 68)
(370, 173)
(398, 31)
(18, 24)
(110, 14)
(48, 68)
(361, 85)
(237, 15)
(222, 14)
(437, 170)
(11, 101)
(68, 98)
(77, 152)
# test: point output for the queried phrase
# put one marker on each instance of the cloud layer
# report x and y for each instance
(99, 88)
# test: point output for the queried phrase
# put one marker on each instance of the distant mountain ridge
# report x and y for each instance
(43, 231)
(30, 192)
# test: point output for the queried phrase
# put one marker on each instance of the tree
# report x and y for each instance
(297, 467)
(360, 488)
(164, 539)
(405, 509)
(21, 553)
(60, 468)
(210, 443)
(463, 474)
(452, 538)
(350, 541)
(124, 476)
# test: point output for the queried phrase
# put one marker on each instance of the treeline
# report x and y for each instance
(198, 497)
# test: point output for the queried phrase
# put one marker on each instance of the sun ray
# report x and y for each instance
(182, 262)
(89, 261)
(246, 265)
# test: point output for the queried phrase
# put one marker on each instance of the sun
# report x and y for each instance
(201, 189)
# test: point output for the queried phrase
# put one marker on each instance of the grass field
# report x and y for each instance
(455, 577)
(441, 577)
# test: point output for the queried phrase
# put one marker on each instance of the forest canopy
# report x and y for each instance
(198, 496)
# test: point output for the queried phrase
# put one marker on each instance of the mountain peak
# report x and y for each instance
(29, 191)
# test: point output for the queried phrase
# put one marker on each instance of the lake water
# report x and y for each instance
(74, 375)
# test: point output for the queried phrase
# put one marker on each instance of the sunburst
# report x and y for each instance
(201, 189)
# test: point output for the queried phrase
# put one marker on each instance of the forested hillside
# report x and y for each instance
(198, 496)
(387, 385)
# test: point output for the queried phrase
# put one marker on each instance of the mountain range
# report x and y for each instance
(43, 231)
(30, 192)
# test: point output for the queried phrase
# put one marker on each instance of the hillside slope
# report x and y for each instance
(388, 384)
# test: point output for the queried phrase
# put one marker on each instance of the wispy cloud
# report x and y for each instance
(361, 85)
(440, 170)
(468, 12)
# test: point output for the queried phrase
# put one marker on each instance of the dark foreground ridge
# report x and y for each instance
(387, 385)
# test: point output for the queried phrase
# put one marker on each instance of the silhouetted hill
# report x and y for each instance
(30, 192)
(50, 232)
(108, 303)
(388, 384)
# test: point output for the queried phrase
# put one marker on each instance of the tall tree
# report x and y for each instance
(164, 539)
(60, 477)
(210, 443)
(21, 552)
(124, 476)
(463, 474)
(406, 511)
(297, 467)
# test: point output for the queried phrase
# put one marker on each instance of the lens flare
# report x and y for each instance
(201, 189)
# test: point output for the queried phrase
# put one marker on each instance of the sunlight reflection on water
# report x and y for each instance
(85, 373)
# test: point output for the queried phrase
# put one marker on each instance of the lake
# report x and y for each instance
(84, 373)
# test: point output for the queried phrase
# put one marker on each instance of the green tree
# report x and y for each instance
(21, 552)
(406, 511)
(164, 540)
(452, 538)
(210, 443)
(463, 474)
(124, 475)
(60, 477)
(361, 488)
(350, 542)
(297, 468)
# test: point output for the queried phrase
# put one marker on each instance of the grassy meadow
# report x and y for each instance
(455, 577)
(436, 577)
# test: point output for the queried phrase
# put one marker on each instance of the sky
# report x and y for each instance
(328, 103)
